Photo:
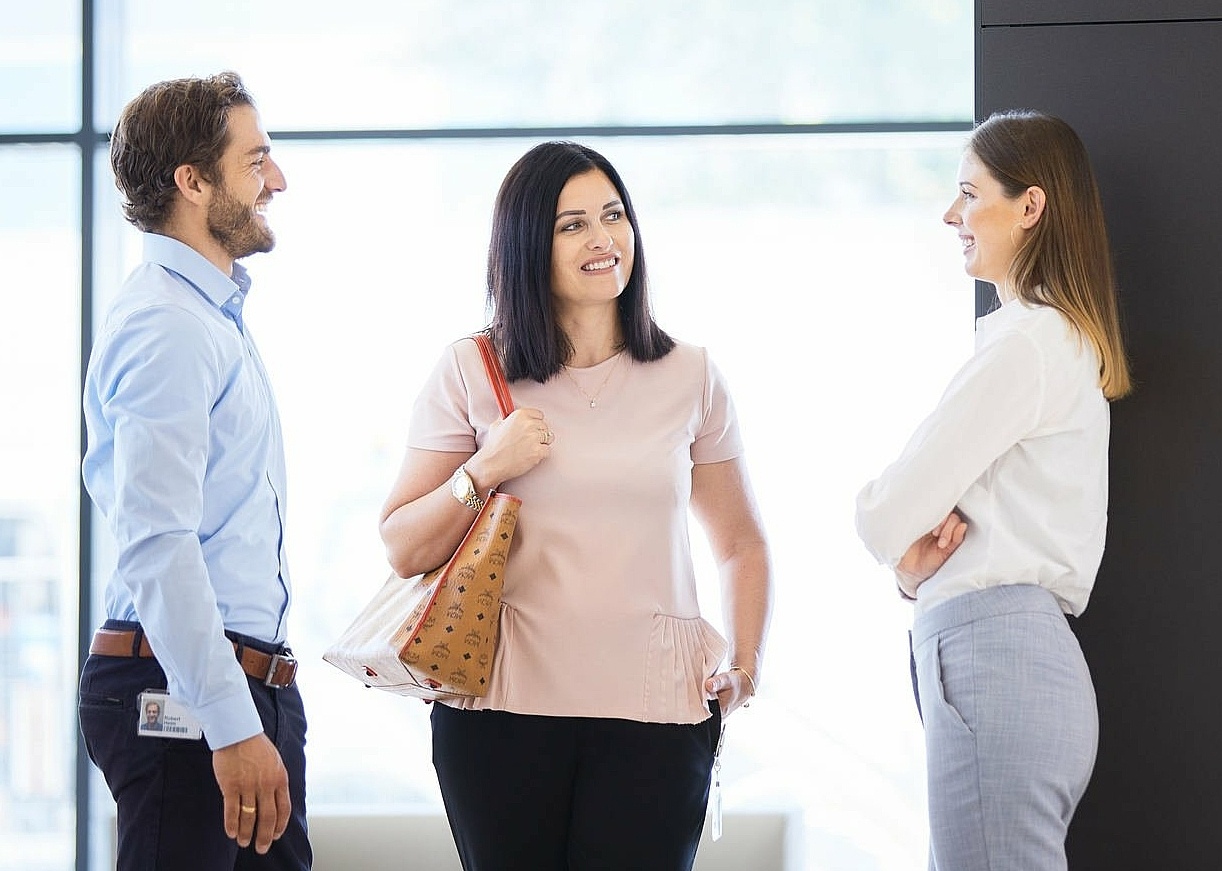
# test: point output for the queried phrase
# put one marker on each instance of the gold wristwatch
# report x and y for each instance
(463, 489)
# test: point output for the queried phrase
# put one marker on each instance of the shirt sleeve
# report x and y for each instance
(718, 438)
(156, 379)
(441, 416)
(989, 406)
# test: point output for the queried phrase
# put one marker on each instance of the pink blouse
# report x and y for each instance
(599, 616)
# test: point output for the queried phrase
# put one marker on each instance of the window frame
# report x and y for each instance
(91, 142)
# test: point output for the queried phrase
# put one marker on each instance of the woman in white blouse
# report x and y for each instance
(994, 516)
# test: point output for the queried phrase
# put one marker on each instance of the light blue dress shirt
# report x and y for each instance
(185, 459)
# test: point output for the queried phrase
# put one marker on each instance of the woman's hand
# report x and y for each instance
(733, 689)
(422, 523)
(929, 553)
(513, 447)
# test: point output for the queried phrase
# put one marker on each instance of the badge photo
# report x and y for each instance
(163, 717)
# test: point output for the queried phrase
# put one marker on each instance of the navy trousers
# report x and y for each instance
(528, 793)
(170, 811)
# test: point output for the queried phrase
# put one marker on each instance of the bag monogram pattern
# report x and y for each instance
(434, 636)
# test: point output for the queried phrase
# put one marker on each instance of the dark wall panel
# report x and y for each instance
(994, 12)
(1147, 100)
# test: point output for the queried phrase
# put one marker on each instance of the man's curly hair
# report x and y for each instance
(172, 123)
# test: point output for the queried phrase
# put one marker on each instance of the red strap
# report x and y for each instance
(496, 376)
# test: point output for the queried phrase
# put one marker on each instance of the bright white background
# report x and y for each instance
(814, 268)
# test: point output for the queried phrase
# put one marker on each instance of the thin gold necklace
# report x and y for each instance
(593, 400)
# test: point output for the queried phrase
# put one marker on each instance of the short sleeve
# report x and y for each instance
(441, 415)
(456, 405)
(718, 438)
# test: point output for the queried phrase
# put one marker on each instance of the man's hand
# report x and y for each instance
(929, 553)
(255, 786)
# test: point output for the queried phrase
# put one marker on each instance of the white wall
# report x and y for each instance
(382, 841)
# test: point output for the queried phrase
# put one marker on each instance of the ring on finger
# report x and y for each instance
(548, 437)
(248, 809)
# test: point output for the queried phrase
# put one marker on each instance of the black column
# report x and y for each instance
(1141, 82)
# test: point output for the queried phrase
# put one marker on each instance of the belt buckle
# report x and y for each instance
(277, 658)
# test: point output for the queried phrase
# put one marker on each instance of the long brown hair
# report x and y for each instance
(1065, 261)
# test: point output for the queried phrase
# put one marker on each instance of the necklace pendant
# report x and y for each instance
(593, 398)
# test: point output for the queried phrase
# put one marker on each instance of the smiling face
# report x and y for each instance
(592, 243)
(248, 179)
(990, 225)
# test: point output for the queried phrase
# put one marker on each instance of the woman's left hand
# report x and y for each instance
(732, 688)
(929, 553)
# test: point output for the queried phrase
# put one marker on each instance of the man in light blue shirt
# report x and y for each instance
(185, 461)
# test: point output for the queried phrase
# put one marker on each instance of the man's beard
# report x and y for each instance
(237, 226)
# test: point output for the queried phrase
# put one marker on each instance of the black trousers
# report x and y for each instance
(528, 793)
(170, 810)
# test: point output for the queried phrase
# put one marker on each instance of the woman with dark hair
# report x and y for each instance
(994, 516)
(594, 745)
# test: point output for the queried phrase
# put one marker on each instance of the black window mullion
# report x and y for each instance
(87, 142)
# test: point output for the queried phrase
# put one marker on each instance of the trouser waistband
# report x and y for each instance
(272, 664)
(981, 604)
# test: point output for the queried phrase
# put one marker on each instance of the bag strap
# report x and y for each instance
(496, 375)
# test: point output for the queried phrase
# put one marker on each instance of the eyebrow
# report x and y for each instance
(574, 212)
(262, 149)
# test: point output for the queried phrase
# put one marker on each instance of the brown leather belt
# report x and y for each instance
(276, 670)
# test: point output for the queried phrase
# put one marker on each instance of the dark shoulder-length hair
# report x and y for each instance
(523, 321)
(171, 123)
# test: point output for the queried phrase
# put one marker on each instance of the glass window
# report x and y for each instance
(436, 64)
(805, 263)
(39, 354)
(40, 63)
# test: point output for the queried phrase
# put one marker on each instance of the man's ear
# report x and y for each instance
(193, 186)
(1033, 207)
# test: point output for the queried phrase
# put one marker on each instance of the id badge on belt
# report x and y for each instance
(163, 717)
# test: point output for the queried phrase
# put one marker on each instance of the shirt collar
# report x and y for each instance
(225, 292)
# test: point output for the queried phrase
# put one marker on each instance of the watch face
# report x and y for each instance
(463, 487)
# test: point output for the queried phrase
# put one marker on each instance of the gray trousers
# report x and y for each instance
(1011, 729)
